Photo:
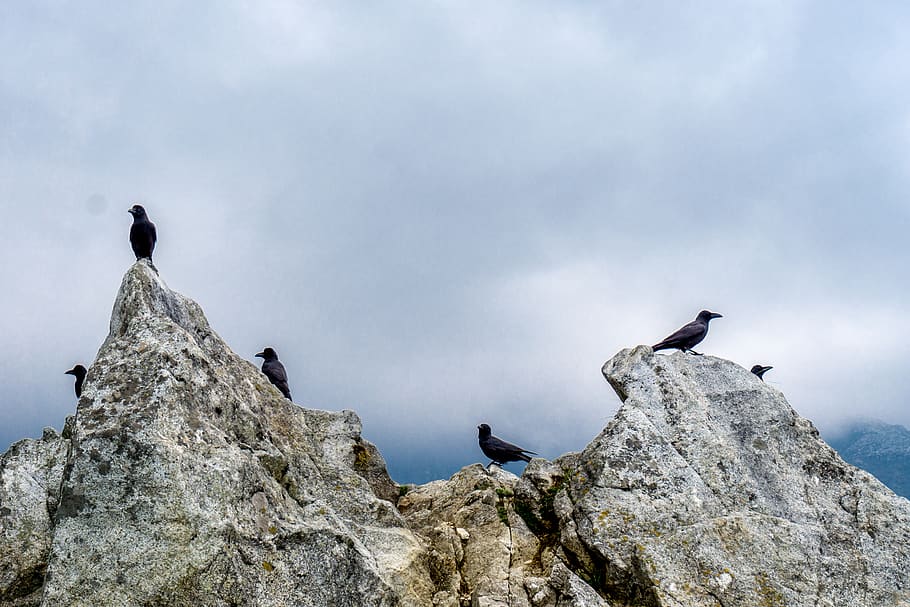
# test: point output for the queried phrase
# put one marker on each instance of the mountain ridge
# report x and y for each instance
(186, 479)
(880, 448)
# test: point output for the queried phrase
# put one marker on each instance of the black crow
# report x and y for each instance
(142, 234)
(79, 371)
(690, 335)
(499, 450)
(274, 370)
(760, 370)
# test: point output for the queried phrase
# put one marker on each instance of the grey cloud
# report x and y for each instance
(447, 214)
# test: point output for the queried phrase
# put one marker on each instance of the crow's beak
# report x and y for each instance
(716, 315)
(68, 373)
(763, 369)
(261, 355)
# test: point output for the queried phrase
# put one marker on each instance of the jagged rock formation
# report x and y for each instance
(190, 480)
(185, 478)
(488, 539)
(705, 489)
(708, 489)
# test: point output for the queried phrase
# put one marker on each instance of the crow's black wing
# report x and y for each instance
(496, 443)
(276, 373)
(687, 336)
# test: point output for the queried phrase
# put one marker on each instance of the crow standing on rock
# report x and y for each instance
(499, 450)
(689, 335)
(760, 371)
(142, 234)
(274, 370)
(79, 371)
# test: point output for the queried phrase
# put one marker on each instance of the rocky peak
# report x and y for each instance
(185, 478)
(189, 479)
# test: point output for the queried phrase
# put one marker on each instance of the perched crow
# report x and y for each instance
(499, 450)
(690, 335)
(274, 370)
(760, 371)
(79, 371)
(142, 234)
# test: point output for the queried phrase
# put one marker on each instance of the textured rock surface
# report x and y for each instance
(881, 449)
(470, 531)
(708, 489)
(186, 479)
(481, 550)
(191, 481)
(30, 475)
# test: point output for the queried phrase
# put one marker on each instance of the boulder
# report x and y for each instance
(708, 489)
(192, 481)
(30, 475)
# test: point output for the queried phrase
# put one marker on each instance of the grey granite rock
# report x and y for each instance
(192, 481)
(186, 479)
(30, 475)
(482, 550)
(707, 488)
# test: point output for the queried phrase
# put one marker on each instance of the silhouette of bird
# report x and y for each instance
(274, 370)
(760, 371)
(498, 450)
(689, 335)
(79, 371)
(143, 235)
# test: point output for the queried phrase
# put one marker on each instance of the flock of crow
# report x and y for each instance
(143, 237)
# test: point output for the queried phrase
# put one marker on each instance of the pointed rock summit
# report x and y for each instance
(189, 481)
(707, 488)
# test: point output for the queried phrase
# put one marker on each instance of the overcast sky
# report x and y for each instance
(447, 213)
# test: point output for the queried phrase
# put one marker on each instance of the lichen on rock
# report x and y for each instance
(708, 488)
(186, 479)
(483, 550)
(191, 481)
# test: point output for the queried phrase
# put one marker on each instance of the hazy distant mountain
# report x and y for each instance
(879, 448)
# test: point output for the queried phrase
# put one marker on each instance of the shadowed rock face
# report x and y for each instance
(186, 479)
